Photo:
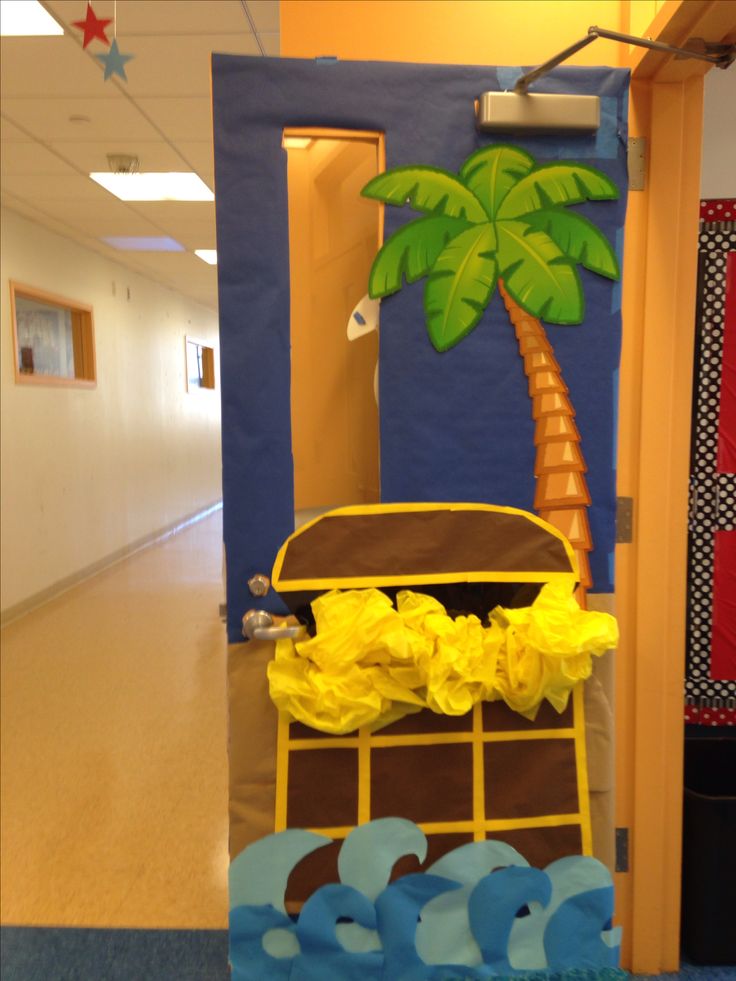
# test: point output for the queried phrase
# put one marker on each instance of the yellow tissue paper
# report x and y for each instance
(371, 663)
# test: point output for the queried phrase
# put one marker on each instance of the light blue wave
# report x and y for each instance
(479, 912)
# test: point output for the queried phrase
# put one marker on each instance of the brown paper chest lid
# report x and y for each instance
(414, 544)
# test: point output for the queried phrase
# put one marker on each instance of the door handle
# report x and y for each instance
(262, 625)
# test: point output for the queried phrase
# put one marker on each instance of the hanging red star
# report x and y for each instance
(93, 26)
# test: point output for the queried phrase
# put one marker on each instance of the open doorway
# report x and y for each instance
(334, 235)
(709, 805)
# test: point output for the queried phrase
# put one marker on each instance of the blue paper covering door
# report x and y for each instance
(455, 426)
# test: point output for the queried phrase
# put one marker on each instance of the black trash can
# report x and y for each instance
(709, 851)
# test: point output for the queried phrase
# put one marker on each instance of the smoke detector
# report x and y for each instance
(123, 163)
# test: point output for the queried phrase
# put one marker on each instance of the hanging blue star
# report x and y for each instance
(114, 61)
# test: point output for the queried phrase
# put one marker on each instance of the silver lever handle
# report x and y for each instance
(261, 625)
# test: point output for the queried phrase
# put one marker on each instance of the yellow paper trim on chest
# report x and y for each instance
(371, 663)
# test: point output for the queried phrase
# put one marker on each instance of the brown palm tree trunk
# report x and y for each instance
(562, 496)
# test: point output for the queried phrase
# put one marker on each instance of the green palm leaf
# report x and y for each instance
(558, 183)
(411, 252)
(490, 173)
(538, 275)
(460, 286)
(578, 238)
(426, 189)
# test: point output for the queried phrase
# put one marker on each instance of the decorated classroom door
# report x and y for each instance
(499, 292)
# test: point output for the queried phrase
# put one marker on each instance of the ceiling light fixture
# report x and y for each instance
(27, 18)
(171, 186)
(123, 163)
(207, 255)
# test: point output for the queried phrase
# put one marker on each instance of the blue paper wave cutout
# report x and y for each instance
(479, 912)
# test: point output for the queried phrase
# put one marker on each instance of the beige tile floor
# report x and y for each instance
(114, 752)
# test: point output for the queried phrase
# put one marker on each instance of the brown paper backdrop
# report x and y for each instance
(253, 732)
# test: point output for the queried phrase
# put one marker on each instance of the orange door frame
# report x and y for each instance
(660, 271)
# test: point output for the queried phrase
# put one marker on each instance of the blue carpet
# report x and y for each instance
(75, 954)
(71, 954)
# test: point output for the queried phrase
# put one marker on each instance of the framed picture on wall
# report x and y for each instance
(200, 364)
(53, 338)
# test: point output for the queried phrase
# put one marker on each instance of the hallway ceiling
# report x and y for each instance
(161, 115)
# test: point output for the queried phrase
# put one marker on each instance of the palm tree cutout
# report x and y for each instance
(502, 222)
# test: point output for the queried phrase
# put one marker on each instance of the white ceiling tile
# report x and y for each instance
(203, 239)
(42, 217)
(31, 158)
(271, 43)
(180, 119)
(175, 263)
(17, 204)
(181, 218)
(110, 118)
(37, 66)
(200, 156)
(9, 132)
(110, 218)
(53, 188)
(166, 17)
(265, 14)
(163, 115)
(89, 157)
(179, 65)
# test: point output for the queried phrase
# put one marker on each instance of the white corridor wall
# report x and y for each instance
(86, 473)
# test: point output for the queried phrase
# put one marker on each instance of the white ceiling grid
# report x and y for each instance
(162, 115)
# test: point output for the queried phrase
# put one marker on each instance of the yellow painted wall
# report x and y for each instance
(641, 14)
(87, 472)
(490, 32)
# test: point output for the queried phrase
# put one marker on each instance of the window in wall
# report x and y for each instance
(53, 338)
(200, 365)
(334, 235)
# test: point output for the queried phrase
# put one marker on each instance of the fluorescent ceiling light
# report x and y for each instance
(296, 142)
(207, 255)
(155, 187)
(138, 243)
(26, 18)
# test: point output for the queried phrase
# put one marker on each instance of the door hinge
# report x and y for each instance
(624, 520)
(622, 849)
(637, 162)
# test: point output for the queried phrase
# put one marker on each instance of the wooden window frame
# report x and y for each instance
(83, 339)
(208, 383)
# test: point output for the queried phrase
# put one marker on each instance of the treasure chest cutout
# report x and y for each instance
(488, 774)
(471, 557)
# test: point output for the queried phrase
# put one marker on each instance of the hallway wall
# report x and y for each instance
(718, 174)
(88, 472)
